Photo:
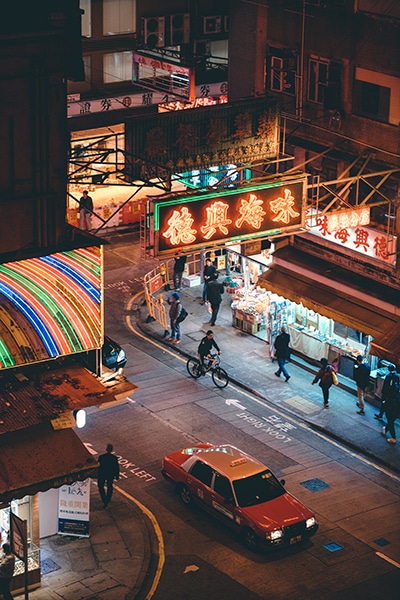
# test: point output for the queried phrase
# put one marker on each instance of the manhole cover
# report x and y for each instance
(314, 485)
(48, 566)
(381, 542)
(333, 547)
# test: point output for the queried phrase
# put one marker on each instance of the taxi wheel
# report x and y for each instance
(249, 539)
(185, 494)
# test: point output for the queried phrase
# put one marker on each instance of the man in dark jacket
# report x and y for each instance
(208, 274)
(282, 352)
(361, 371)
(215, 289)
(390, 389)
(206, 345)
(179, 267)
(108, 471)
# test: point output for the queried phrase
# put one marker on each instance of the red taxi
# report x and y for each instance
(241, 492)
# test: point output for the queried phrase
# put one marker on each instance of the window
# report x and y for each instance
(276, 78)
(119, 16)
(85, 5)
(117, 67)
(282, 70)
(202, 472)
(223, 487)
(317, 80)
(372, 101)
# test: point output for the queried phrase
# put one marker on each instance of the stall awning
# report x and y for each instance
(38, 458)
(320, 286)
(387, 345)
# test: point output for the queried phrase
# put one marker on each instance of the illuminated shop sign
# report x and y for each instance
(50, 306)
(369, 242)
(229, 215)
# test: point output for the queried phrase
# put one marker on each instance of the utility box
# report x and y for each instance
(191, 280)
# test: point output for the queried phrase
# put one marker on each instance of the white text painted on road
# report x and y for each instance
(273, 425)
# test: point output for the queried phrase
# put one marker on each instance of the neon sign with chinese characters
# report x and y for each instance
(239, 214)
(371, 243)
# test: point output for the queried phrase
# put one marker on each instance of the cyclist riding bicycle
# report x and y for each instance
(204, 349)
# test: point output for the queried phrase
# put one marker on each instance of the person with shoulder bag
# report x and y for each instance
(325, 378)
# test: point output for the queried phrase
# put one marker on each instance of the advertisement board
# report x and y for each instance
(240, 214)
(73, 508)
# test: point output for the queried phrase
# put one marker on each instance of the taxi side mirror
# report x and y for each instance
(282, 481)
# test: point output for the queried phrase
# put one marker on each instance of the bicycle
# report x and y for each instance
(218, 374)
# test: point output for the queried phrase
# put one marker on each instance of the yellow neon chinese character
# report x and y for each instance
(216, 219)
(251, 211)
(180, 227)
(283, 207)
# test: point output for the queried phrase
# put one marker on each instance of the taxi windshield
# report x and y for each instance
(257, 489)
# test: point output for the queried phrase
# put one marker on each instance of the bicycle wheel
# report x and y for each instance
(220, 377)
(193, 368)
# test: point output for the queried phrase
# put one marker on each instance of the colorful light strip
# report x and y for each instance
(58, 300)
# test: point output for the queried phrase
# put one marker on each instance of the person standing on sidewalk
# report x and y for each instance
(174, 312)
(85, 211)
(208, 274)
(215, 289)
(389, 389)
(179, 267)
(108, 471)
(7, 564)
(282, 352)
(361, 371)
(392, 409)
(324, 376)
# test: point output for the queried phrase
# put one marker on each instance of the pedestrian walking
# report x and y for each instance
(85, 210)
(392, 410)
(208, 274)
(324, 376)
(215, 289)
(361, 371)
(282, 352)
(179, 267)
(390, 389)
(174, 312)
(108, 471)
(7, 565)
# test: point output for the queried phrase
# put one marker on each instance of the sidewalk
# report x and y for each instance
(111, 564)
(247, 361)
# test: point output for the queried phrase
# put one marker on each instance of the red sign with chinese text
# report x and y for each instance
(245, 213)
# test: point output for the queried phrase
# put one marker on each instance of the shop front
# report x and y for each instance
(330, 312)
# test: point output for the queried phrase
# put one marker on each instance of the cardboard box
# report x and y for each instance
(191, 280)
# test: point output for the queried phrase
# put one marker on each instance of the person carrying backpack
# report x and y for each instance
(324, 376)
(174, 313)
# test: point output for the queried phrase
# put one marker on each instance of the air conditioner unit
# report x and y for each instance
(202, 48)
(179, 30)
(212, 24)
(153, 31)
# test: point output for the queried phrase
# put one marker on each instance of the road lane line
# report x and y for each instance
(160, 539)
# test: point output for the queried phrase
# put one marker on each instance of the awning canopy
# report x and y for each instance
(328, 290)
(38, 458)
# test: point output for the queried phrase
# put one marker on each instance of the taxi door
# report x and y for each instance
(222, 500)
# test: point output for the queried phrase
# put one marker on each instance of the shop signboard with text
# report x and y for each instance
(228, 215)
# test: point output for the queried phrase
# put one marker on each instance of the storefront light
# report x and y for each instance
(80, 418)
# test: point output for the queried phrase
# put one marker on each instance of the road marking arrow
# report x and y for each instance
(191, 568)
(235, 403)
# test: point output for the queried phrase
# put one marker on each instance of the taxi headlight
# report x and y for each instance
(274, 535)
(310, 522)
